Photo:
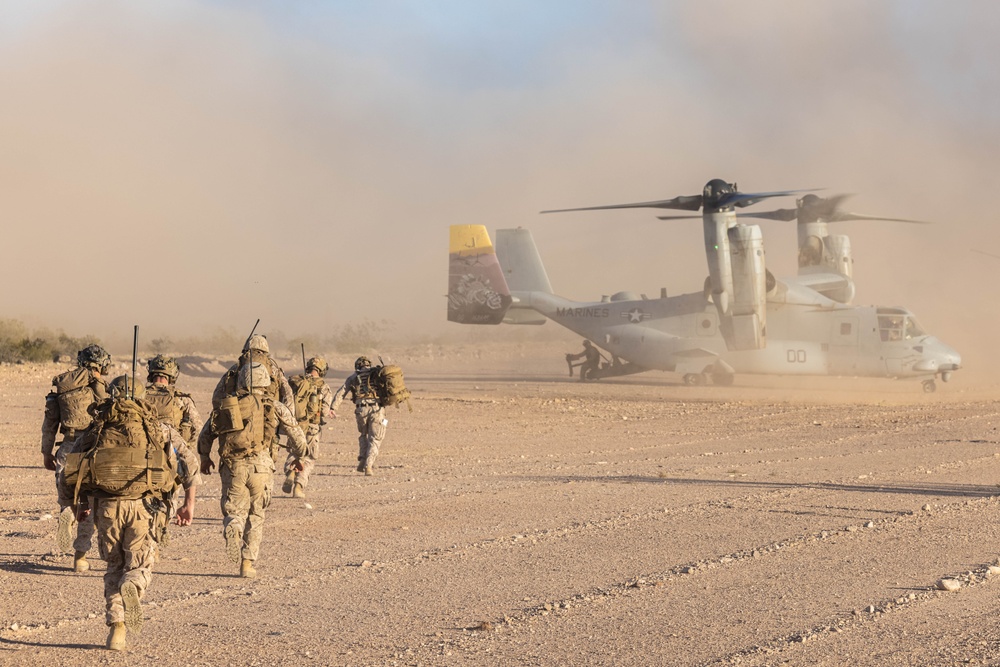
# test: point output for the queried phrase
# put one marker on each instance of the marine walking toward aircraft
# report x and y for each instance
(67, 412)
(313, 399)
(119, 465)
(370, 416)
(246, 423)
(257, 350)
(179, 415)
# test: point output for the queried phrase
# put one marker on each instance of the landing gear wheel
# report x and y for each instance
(694, 379)
(723, 379)
(929, 386)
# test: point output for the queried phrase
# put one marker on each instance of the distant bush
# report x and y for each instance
(19, 344)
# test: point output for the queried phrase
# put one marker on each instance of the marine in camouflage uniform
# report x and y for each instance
(258, 351)
(124, 519)
(368, 413)
(245, 463)
(312, 403)
(179, 416)
(67, 411)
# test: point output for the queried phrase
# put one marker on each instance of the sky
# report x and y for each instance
(189, 165)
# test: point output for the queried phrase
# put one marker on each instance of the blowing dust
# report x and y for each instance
(189, 166)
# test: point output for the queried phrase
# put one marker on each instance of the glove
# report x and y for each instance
(297, 466)
(49, 461)
(206, 465)
(82, 512)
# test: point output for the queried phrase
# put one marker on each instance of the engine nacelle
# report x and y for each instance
(838, 255)
(749, 304)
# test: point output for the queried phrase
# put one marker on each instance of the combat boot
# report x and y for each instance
(234, 543)
(133, 609)
(64, 531)
(368, 471)
(247, 570)
(116, 637)
(298, 491)
(80, 563)
(289, 482)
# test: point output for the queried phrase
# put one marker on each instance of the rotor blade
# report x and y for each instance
(783, 214)
(679, 217)
(842, 216)
(742, 199)
(684, 203)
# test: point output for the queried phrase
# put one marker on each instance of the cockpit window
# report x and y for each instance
(912, 329)
(890, 327)
(898, 327)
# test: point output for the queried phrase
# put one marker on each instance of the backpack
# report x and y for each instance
(165, 405)
(308, 406)
(252, 437)
(74, 395)
(122, 454)
(228, 385)
(389, 385)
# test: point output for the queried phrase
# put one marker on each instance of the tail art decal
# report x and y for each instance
(477, 291)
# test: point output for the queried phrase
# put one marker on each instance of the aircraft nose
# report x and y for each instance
(938, 358)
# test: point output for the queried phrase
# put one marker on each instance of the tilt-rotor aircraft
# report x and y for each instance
(745, 320)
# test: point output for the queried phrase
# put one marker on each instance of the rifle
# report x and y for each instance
(304, 370)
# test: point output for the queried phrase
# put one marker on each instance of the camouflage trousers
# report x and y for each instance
(313, 432)
(246, 493)
(84, 530)
(124, 542)
(371, 431)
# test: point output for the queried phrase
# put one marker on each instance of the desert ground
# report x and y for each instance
(518, 517)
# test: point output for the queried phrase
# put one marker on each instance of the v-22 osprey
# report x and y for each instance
(744, 321)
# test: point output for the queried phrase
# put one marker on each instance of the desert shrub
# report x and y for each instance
(19, 344)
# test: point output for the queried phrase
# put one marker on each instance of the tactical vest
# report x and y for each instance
(308, 405)
(364, 386)
(259, 428)
(163, 399)
(75, 393)
(122, 454)
(230, 383)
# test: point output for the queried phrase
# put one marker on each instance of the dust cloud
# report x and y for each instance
(192, 165)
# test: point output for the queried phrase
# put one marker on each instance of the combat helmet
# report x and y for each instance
(319, 365)
(362, 362)
(94, 356)
(255, 372)
(257, 342)
(122, 386)
(163, 365)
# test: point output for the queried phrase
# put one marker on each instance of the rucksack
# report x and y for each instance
(389, 385)
(308, 406)
(253, 433)
(75, 396)
(229, 385)
(163, 401)
(122, 454)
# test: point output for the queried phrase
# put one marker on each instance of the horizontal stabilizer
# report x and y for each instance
(477, 291)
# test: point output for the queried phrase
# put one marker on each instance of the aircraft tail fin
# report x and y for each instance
(521, 263)
(477, 291)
